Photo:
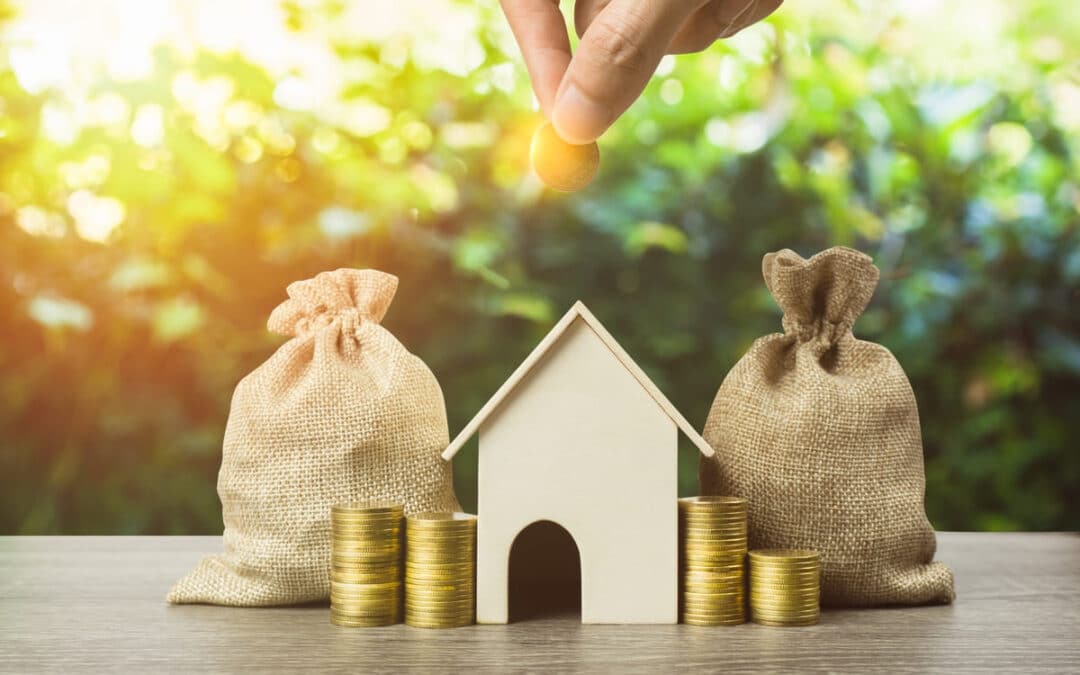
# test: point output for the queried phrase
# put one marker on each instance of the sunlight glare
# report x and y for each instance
(95, 217)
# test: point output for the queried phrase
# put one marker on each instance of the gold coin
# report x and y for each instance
(691, 621)
(393, 613)
(723, 612)
(783, 580)
(707, 557)
(360, 611)
(713, 503)
(421, 623)
(730, 611)
(445, 581)
(389, 612)
(805, 576)
(436, 517)
(783, 615)
(714, 591)
(384, 586)
(694, 592)
(732, 581)
(465, 546)
(365, 604)
(447, 598)
(785, 554)
(438, 566)
(366, 532)
(790, 584)
(786, 624)
(561, 165)
(362, 545)
(372, 598)
(712, 598)
(429, 576)
(715, 613)
(722, 524)
(714, 542)
(453, 606)
(726, 609)
(780, 571)
(787, 584)
(429, 593)
(439, 581)
(806, 581)
(364, 568)
(358, 544)
(363, 562)
(365, 600)
(434, 553)
(718, 572)
(775, 564)
(425, 620)
(348, 521)
(785, 592)
(424, 557)
(736, 612)
(708, 535)
(357, 549)
(437, 560)
(718, 563)
(438, 563)
(688, 518)
(367, 559)
(346, 622)
(441, 542)
(363, 574)
(715, 530)
(792, 568)
(768, 593)
(448, 614)
(784, 607)
(714, 605)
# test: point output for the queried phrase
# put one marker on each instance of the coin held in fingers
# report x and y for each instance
(561, 165)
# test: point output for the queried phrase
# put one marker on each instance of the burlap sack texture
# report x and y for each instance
(820, 431)
(342, 412)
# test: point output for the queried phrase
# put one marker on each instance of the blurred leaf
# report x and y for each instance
(655, 235)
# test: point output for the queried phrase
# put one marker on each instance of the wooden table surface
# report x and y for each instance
(98, 603)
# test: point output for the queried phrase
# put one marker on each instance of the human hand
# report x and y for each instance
(622, 42)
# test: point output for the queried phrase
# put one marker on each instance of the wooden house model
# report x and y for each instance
(580, 436)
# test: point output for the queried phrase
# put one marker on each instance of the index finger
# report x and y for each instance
(540, 32)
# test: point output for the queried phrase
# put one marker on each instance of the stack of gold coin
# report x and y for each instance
(440, 570)
(365, 577)
(712, 555)
(785, 587)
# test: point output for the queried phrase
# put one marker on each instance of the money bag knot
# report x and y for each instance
(818, 335)
(345, 299)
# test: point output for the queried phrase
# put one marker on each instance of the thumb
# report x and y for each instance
(616, 57)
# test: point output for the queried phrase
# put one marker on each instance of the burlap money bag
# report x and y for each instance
(819, 430)
(341, 412)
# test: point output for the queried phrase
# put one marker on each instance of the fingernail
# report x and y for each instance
(579, 119)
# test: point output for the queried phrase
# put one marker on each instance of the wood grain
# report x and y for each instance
(98, 603)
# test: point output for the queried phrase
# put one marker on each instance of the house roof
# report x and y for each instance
(578, 311)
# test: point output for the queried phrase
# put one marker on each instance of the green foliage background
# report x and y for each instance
(828, 125)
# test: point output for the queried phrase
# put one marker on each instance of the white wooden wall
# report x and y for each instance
(579, 442)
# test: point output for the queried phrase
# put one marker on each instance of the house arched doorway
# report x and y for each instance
(545, 572)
